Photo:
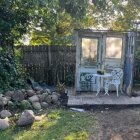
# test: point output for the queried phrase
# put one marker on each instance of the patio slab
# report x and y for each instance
(91, 99)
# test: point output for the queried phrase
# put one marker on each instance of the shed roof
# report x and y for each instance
(102, 31)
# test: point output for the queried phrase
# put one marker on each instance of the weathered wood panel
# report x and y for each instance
(136, 77)
(136, 81)
(129, 63)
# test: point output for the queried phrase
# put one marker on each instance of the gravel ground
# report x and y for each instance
(119, 123)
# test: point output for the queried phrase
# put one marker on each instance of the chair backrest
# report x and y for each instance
(117, 74)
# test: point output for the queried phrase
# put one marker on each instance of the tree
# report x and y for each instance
(116, 15)
(15, 17)
(59, 20)
(14, 20)
(61, 17)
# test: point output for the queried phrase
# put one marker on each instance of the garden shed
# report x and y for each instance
(104, 50)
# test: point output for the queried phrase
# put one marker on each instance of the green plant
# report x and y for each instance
(60, 88)
(12, 75)
(101, 72)
(25, 104)
(69, 79)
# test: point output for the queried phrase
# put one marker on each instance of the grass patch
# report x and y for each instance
(59, 125)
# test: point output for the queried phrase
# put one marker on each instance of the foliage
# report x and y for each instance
(53, 22)
(25, 104)
(59, 18)
(11, 74)
(59, 125)
(124, 21)
(58, 21)
(14, 19)
(115, 14)
(77, 8)
(69, 79)
(60, 88)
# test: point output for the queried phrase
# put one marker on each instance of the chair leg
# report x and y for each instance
(106, 88)
(117, 90)
(98, 86)
(121, 89)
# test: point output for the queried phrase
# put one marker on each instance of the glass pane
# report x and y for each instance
(113, 47)
(89, 51)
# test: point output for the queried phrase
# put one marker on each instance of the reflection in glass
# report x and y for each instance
(113, 47)
(89, 51)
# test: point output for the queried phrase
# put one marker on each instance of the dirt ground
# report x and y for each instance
(119, 124)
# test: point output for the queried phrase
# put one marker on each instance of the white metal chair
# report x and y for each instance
(117, 75)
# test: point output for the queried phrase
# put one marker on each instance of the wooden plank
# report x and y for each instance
(129, 63)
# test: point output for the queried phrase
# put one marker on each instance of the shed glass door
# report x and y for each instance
(113, 55)
(89, 52)
(89, 57)
(113, 52)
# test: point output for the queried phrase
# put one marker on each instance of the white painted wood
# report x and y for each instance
(77, 62)
(102, 61)
(83, 68)
(114, 62)
(110, 63)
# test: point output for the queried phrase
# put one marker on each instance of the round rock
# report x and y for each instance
(9, 93)
(11, 105)
(36, 105)
(47, 90)
(18, 96)
(44, 104)
(48, 99)
(4, 124)
(54, 98)
(38, 88)
(3, 100)
(27, 118)
(34, 98)
(30, 92)
(5, 113)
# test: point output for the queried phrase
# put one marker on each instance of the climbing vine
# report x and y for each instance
(12, 75)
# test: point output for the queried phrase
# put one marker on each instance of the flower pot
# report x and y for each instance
(63, 99)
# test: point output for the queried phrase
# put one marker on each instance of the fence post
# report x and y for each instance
(49, 56)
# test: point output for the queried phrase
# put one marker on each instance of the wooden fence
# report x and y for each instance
(50, 63)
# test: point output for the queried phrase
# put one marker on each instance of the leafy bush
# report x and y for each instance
(12, 74)
(70, 79)
(25, 104)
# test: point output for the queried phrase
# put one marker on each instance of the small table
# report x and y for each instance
(99, 77)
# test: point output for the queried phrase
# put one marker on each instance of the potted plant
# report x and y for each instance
(101, 72)
(63, 95)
